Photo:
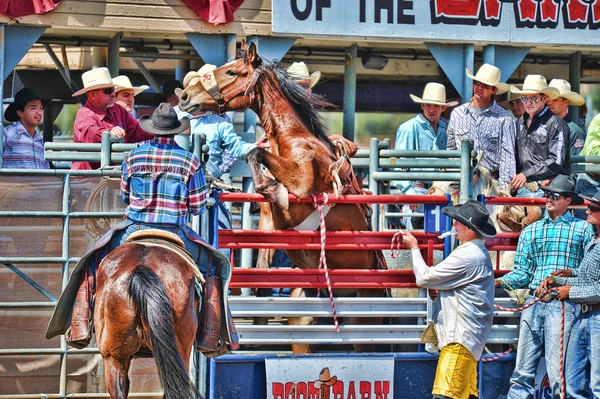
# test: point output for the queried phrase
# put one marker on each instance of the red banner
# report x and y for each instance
(21, 8)
(218, 12)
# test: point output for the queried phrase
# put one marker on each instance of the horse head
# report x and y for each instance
(230, 87)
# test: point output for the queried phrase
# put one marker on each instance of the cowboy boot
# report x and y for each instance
(209, 323)
(79, 334)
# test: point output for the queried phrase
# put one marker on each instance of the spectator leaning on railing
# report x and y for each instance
(22, 145)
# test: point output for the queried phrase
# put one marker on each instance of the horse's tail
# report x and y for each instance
(156, 310)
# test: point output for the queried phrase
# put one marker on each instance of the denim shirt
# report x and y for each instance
(418, 134)
(225, 146)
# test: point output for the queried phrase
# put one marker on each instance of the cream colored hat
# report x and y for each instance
(95, 79)
(512, 96)
(489, 75)
(122, 82)
(206, 68)
(534, 84)
(564, 88)
(434, 93)
(299, 71)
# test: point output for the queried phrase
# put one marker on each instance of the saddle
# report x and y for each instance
(167, 240)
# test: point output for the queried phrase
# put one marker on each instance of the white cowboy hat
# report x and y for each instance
(512, 96)
(206, 68)
(564, 89)
(95, 79)
(299, 71)
(434, 93)
(122, 82)
(534, 84)
(489, 75)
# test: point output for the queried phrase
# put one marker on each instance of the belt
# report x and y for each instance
(590, 308)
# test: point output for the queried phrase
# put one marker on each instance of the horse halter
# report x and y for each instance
(212, 88)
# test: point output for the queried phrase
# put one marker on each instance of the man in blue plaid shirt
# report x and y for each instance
(553, 243)
(582, 365)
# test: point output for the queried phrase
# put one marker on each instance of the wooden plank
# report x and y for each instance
(157, 27)
(154, 11)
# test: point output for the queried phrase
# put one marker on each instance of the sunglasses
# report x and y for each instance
(483, 85)
(533, 100)
(554, 196)
(109, 91)
(593, 208)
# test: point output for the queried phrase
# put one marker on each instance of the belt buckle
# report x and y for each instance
(585, 307)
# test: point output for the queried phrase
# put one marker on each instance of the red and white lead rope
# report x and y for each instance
(395, 246)
(322, 258)
(499, 356)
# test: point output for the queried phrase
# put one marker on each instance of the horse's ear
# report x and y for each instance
(252, 53)
(244, 45)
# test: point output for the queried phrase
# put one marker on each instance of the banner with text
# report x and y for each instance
(335, 378)
(548, 22)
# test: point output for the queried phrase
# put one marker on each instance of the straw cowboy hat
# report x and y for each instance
(23, 96)
(564, 88)
(512, 96)
(163, 121)
(474, 215)
(534, 84)
(489, 75)
(95, 79)
(122, 82)
(434, 93)
(206, 68)
(325, 379)
(564, 185)
(299, 71)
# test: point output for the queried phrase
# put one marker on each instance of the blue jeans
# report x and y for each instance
(539, 335)
(582, 366)
(524, 192)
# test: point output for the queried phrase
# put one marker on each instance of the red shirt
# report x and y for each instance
(91, 121)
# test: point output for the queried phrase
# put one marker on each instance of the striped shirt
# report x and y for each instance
(547, 246)
(585, 288)
(493, 132)
(162, 182)
(20, 150)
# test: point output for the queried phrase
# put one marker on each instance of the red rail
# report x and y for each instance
(341, 278)
(342, 199)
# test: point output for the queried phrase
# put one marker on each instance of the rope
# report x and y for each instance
(563, 382)
(501, 355)
(395, 245)
(322, 258)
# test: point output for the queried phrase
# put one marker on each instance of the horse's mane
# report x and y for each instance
(307, 105)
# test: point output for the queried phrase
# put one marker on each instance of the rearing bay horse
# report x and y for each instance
(300, 158)
(146, 306)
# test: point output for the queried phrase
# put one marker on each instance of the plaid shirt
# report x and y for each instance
(20, 150)
(585, 288)
(547, 246)
(162, 182)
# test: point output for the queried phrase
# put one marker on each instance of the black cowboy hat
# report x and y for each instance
(564, 185)
(473, 215)
(594, 200)
(23, 96)
(164, 121)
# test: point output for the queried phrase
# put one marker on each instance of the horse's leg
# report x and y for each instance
(301, 321)
(116, 376)
(368, 321)
(265, 256)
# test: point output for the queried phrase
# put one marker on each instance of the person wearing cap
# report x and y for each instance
(560, 107)
(100, 114)
(425, 132)
(463, 311)
(169, 94)
(542, 139)
(125, 92)
(514, 104)
(22, 145)
(555, 242)
(490, 126)
(583, 348)
(161, 183)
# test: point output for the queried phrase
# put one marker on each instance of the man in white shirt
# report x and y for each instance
(464, 312)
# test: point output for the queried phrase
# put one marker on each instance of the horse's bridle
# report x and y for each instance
(212, 88)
